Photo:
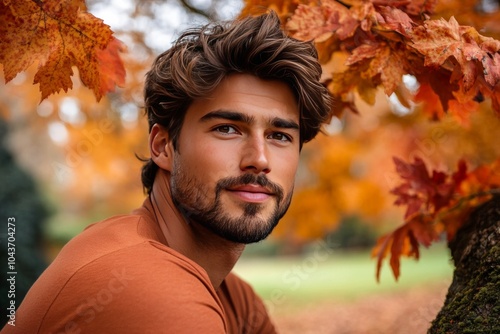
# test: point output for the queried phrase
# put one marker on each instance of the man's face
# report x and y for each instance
(237, 154)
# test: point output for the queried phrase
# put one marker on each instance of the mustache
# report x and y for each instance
(245, 179)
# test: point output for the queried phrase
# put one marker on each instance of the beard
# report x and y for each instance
(190, 196)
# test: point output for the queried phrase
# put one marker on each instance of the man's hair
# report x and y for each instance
(202, 57)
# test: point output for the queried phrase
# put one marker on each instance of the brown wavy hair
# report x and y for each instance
(202, 57)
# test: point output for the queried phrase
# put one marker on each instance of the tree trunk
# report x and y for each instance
(472, 304)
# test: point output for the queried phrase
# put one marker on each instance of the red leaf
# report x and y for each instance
(404, 241)
(424, 192)
(461, 173)
(111, 69)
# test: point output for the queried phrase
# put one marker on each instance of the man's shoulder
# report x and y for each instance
(129, 241)
(111, 269)
(146, 269)
(123, 289)
(137, 283)
(126, 245)
(108, 236)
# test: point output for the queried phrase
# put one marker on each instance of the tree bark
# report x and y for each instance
(472, 303)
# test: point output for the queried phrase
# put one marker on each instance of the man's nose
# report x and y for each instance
(255, 156)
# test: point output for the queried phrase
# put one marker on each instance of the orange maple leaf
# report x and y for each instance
(58, 35)
(394, 19)
(438, 40)
(447, 44)
(382, 65)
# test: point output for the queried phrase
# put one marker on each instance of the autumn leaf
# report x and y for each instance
(384, 66)
(111, 69)
(473, 60)
(439, 40)
(394, 19)
(423, 191)
(404, 241)
(436, 202)
(58, 35)
(320, 22)
(476, 188)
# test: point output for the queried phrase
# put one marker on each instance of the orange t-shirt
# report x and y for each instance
(117, 277)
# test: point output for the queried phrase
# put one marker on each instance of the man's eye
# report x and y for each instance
(226, 129)
(281, 137)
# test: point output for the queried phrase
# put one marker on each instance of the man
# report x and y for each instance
(229, 107)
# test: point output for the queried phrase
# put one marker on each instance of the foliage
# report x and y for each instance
(435, 202)
(59, 35)
(367, 46)
(379, 41)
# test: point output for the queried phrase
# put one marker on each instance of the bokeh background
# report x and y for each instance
(69, 161)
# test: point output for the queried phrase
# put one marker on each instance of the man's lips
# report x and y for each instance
(251, 193)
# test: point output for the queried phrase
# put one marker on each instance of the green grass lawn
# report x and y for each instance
(335, 275)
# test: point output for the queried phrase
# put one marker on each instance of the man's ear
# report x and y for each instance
(161, 147)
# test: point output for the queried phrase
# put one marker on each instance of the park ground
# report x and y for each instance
(328, 291)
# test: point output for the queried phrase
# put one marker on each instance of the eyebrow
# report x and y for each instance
(229, 115)
(240, 117)
(284, 123)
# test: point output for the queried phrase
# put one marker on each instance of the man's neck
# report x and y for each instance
(213, 253)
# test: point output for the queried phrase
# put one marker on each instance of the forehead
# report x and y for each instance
(248, 94)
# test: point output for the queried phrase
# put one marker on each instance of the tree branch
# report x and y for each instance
(195, 10)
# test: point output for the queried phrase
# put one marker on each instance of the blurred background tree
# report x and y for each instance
(21, 199)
